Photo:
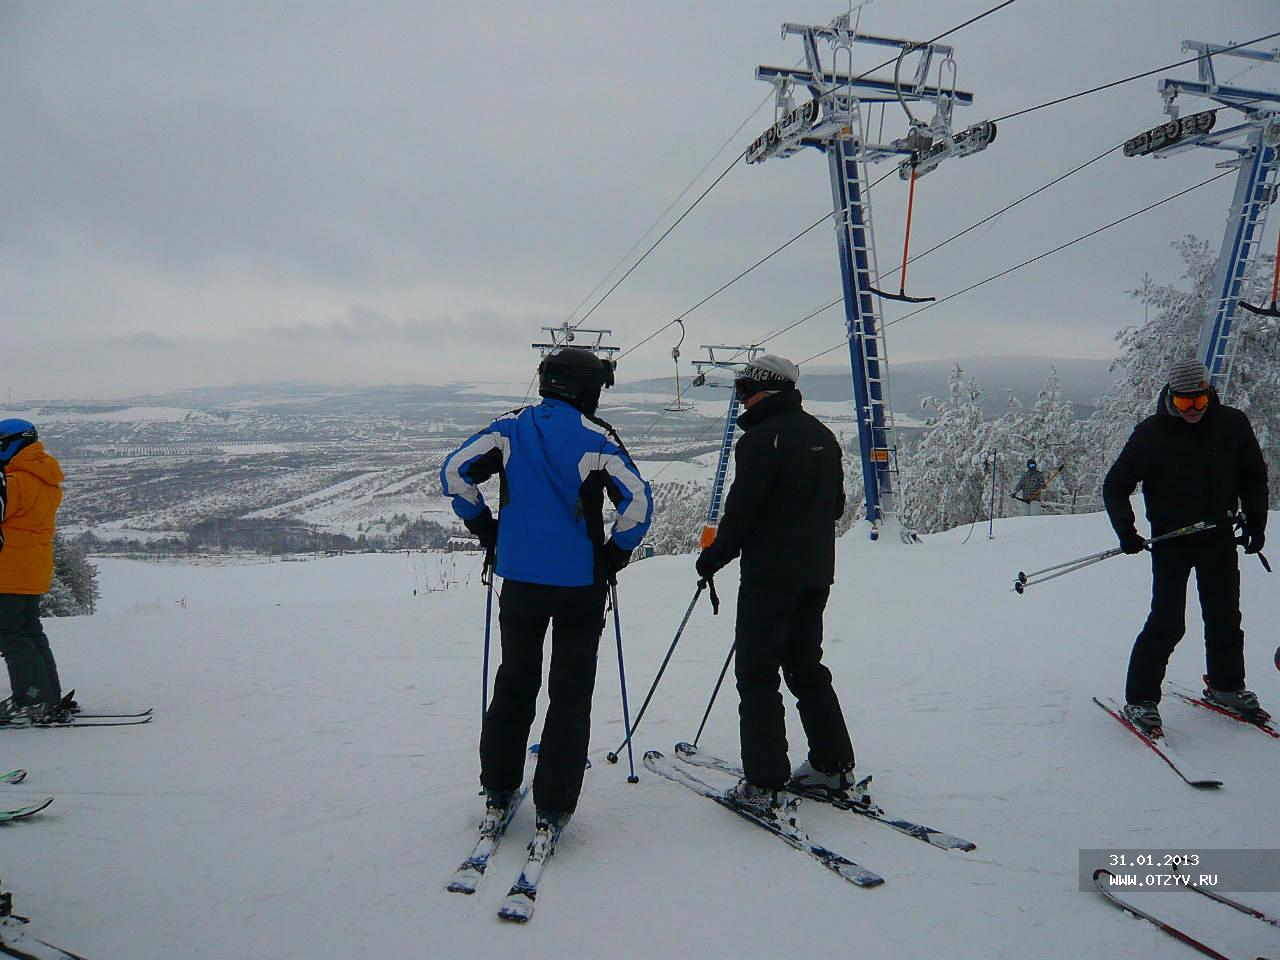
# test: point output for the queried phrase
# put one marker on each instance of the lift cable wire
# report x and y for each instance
(725, 286)
(663, 236)
(1047, 253)
(671, 206)
(1136, 76)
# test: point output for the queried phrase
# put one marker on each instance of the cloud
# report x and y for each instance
(147, 341)
(367, 324)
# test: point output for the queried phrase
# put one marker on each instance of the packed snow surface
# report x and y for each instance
(309, 781)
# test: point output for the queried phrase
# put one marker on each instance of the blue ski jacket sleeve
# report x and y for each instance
(555, 466)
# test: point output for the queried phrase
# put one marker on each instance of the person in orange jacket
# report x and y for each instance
(30, 493)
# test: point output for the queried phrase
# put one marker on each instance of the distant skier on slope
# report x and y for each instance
(1029, 488)
(30, 494)
(780, 515)
(556, 462)
(1197, 459)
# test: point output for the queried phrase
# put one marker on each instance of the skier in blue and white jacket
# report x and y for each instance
(556, 462)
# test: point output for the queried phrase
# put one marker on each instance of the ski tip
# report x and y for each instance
(686, 749)
(653, 755)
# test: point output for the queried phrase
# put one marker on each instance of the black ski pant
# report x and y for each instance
(1213, 557)
(33, 675)
(779, 629)
(576, 615)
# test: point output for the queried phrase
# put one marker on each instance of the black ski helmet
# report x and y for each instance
(576, 376)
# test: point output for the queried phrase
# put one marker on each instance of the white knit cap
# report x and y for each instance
(1187, 376)
(769, 367)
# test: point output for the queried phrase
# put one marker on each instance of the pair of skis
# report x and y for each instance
(1104, 887)
(1159, 744)
(522, 897)
(26, 810)
(16, 942)
(87, 720)
(783, 823)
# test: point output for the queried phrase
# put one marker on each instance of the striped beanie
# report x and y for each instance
(1187, 376)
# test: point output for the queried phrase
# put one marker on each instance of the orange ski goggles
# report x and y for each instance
(1195, 401)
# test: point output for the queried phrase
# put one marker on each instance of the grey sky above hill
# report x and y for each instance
(200, 194)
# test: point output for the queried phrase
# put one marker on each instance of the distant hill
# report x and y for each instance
(1083, 381)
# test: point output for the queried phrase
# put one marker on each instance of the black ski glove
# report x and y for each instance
(706, 565)
(1254, 541)
(613, 558)
(484, 528)
(1132, 542)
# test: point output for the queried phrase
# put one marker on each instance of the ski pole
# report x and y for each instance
(1024, 580)
(486, 577)
(1091, 558)
(716, 692)
(622, 680)
(612, 756)
(991, 522)
(1021, 584)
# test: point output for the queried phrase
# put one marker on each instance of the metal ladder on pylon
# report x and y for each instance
(1250, 212)
(876, 408)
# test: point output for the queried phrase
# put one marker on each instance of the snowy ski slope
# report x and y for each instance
(309, 781)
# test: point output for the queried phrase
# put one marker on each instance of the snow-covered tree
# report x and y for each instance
(1050, 434)
(75, 582)
(1172, 332)
(945, 482)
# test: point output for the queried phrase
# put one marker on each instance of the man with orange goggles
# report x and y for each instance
(1197, 459)
(1184, 402)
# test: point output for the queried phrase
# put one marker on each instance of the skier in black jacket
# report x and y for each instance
(1197, 459)
(780, 516)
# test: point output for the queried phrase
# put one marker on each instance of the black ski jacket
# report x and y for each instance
(1189, 471)
(787, 493)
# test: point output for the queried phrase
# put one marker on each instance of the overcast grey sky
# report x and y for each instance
(212, 193)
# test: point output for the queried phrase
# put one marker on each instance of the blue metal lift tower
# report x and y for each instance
(1253, 140)
(738, 357)
(832, 120)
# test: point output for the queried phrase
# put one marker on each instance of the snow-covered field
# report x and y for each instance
(309, 781)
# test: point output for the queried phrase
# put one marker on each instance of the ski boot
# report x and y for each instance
(761, 801)
(1243, 703)
(832, 783)
(496, 803)
(1145, 716)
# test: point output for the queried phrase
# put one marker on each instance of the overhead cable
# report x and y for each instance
(1136, 76)
(1047, 253)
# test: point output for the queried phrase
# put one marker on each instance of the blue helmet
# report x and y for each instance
(14, 435)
